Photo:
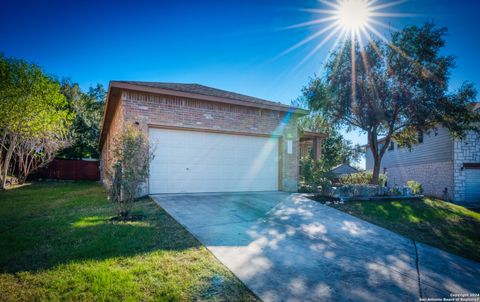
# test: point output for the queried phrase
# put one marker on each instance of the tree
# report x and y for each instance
(335, 149)
(85, 130)
(393, 90)
(33, 112)
(132, 155)
(36, 152)
(316, 175)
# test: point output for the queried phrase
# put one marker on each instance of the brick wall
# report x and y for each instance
(151, 109)
(434, 177)
(464, 151)
(290, 162)
(114, 129)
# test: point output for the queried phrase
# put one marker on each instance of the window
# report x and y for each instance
(391, 147)
(420, 137)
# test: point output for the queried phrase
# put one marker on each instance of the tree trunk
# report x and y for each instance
(376, 170)
(376, 154)
(6, 164)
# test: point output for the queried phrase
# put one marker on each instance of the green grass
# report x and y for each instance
(441, 224)
(56, 244)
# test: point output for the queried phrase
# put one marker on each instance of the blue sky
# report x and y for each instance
(232, 45)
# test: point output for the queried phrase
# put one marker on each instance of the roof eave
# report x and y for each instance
(105, 110)
(156, 90)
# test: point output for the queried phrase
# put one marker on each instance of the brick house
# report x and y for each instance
(446, 167)
(207, 139)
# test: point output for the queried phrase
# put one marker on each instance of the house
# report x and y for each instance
(445, 166)
(207, 139)
(343, 169)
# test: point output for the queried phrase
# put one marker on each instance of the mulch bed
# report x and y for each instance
(325, 199)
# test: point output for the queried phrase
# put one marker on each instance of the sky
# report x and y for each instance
(231, 45)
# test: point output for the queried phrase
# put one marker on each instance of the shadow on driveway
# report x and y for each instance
(289, 248)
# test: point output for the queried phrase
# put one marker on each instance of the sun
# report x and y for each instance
(353, 15)
(357, 20)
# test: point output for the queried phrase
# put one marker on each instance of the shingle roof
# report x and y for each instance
(205, 90)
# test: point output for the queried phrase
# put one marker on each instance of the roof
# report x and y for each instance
(193, 91)
(343, 169)
(307, 134)
(201, 90)
(474, 106)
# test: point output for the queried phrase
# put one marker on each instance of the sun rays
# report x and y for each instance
(342, 20)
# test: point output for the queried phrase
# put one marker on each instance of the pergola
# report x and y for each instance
(311, 141)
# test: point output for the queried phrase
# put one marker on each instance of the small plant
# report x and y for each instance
(415, 186)
(395, 191)
(132, 155)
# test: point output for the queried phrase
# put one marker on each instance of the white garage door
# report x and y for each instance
(472, 185)
(189, 161)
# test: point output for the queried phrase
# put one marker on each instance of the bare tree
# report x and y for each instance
(36, 152)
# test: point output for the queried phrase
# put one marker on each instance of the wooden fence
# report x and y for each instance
(69, 169)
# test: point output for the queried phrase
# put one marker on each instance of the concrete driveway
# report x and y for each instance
(288, 248)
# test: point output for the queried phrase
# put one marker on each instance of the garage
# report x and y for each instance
(207, 139)
(472, 185)
(195, 161)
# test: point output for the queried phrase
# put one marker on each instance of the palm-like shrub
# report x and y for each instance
(415, 186)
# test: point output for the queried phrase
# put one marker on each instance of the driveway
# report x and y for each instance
(285, 247)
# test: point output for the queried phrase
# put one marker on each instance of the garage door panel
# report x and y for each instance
(472, 185)
(187, 161)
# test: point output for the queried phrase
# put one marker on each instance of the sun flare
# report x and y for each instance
(353, 15)
(339, 20)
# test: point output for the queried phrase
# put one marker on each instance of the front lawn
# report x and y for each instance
(57, 244)
(444, 225)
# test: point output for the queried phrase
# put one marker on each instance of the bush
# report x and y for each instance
(415, 186)
(313, 177)
(362, 178)
(132, 155)
(359, 190)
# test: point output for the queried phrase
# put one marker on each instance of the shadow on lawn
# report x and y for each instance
(73, 232)
(434, 222)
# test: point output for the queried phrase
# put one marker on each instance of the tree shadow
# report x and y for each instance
(301, 250)
(39, 242)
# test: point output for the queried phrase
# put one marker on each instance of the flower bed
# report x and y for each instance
(371, 192)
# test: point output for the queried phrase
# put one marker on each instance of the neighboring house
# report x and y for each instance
(343, 169)
(207, 139)
(446, 167)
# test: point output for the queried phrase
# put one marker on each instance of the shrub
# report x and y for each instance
(313, 177)
(395, 191)
(359, 190)
(362, 178)
(415, 186)
(132, 155)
